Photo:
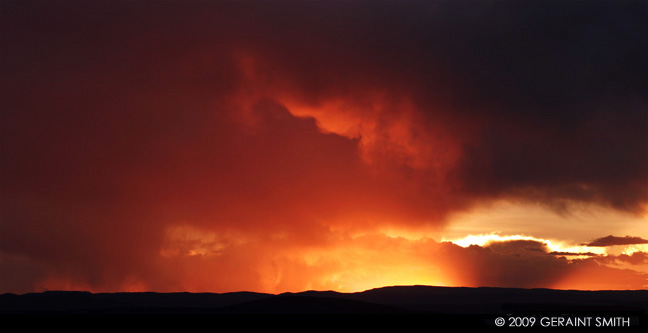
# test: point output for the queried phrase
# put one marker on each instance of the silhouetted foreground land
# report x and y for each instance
(481, 305)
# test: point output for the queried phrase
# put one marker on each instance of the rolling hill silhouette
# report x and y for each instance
(475, 306)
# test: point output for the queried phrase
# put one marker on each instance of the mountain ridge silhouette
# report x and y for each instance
(385, 300)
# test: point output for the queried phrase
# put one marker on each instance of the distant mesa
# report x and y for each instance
(426, 300)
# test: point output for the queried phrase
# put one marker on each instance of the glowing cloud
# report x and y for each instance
(553, 245)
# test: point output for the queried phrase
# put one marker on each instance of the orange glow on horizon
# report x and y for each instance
(202, 260)
(361, 262)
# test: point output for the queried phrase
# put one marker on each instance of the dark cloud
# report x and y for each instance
(558, 93)
(614, 240)
(545, 100)
(637, 258)
(561, 253)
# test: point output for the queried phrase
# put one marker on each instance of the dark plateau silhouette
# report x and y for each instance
(466, 306)
(396, 300)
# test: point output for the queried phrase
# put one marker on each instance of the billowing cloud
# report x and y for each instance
(233, 145)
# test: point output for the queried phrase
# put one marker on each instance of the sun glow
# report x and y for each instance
(630, 250)
(636, 248)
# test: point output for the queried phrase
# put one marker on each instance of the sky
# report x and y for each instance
(275, 146)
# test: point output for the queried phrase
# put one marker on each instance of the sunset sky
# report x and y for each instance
(273, 146)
